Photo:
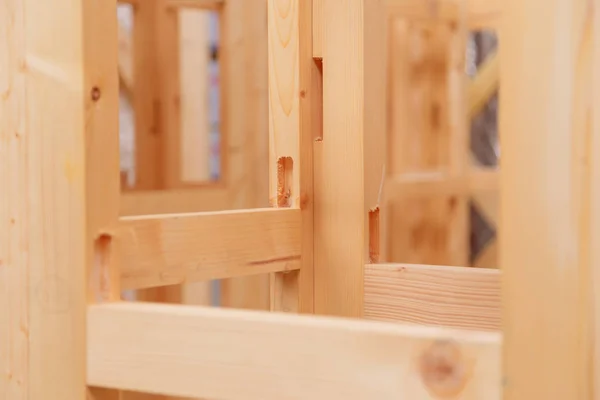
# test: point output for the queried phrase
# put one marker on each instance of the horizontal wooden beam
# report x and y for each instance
(209, 198)
(455, 297)
(161, 250)
(440, 183)
(479, 14)
(233, 354)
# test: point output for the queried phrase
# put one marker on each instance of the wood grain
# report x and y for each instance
(454, 297)
(163, 250)
(221, 354)
(546, 203)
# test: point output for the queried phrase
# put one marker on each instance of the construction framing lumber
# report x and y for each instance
(243, 64)
(349, 155)
(293, 79)
(199, 352)
(454, 297)
(159, 250)
(548, 118)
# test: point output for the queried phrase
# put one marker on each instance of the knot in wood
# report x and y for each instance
(442, 369)
(95, 93)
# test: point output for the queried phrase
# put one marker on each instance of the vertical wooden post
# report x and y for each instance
(59, 88)
(594, 160)
(195, 120)
(546, 116)
(145, 97)
(102, 168)
(244, 128)
(291, 90)
(350, 157)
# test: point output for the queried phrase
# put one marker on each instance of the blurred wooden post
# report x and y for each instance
(549, 203)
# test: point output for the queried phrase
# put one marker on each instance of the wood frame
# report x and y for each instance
(62, 239)
(162, 118)
(431, 176)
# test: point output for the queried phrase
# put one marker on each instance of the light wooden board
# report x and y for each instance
(290, 140)
(547, 127)
(234, 354)
(349, 156)
(453, 297)
(243, 64)
(163, 250)
(59, 88)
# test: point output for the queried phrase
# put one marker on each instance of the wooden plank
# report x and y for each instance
(194, 88)
(168, 80)
(163, 250)
(594, 176)
(290, 138)
(452, 297)
(52, 82)
(148, 163)
(545, 244)
(209, 198)
(244, 122)
(15, 319)
(102, 168)
(221, 354)
(348, 163)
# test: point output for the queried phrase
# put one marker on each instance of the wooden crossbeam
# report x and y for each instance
(159, 250)
(198, 352)
(454, 297)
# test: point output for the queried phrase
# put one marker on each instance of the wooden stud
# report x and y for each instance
(146, 106)
(290, 135)
(244, 128)
(102, 171)
(594, 179)
(59, 86)
(194, 88)
(349, 156)
(546, 119)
